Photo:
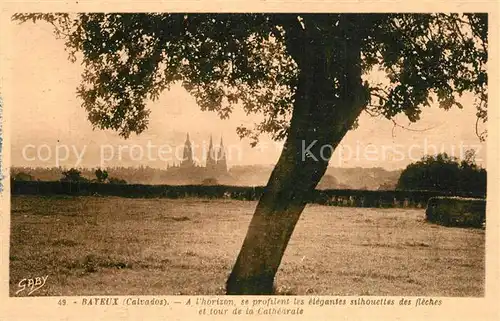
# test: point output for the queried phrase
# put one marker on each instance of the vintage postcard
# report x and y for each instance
(224, 160)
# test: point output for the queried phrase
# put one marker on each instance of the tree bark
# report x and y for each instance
(328, 99)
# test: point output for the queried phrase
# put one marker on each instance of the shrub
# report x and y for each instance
(113, 180)
(456, 211)
(22, 176)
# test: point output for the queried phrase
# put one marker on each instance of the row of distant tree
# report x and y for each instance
(132, 175)
(241, 175)
(74, 175)
(102, 176)
(432, 173)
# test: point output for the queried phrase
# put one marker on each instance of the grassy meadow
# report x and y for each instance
(119, 246)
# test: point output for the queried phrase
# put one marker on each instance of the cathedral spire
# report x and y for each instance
(221, 150)
(211, 156)
(221, 159)
(187, 157)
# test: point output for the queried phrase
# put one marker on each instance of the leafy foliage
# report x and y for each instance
(73, 175)
(101, 175)
(444, 173)
(253, 61)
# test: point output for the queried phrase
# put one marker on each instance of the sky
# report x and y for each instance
(49, 128)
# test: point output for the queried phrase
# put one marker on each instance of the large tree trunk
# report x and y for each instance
(329, 98)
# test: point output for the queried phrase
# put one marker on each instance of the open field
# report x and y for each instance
(118, 246)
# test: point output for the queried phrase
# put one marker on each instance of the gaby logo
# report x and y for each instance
(31, 285)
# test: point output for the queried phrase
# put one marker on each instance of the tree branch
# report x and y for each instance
(409, 129)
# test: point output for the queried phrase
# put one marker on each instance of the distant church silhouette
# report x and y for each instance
(215, 164)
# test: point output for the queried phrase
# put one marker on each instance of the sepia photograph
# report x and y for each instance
(246, 153)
